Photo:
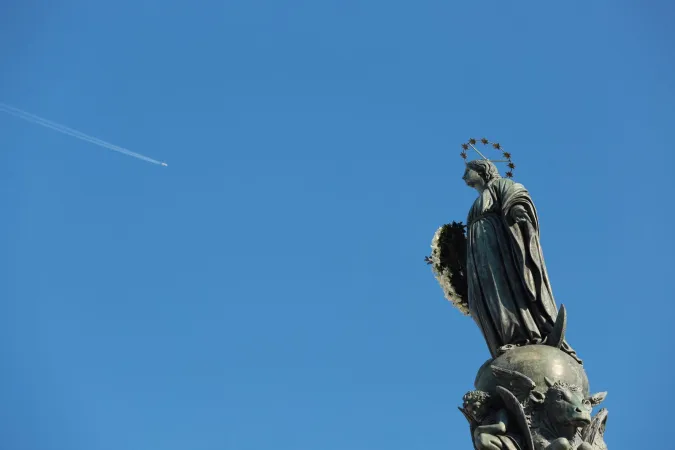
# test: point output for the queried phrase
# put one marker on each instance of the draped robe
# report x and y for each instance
(509, 293)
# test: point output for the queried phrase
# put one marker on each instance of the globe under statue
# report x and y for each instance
(533, 393)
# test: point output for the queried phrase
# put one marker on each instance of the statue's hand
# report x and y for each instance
(485, 441)
(496, 428)
(519, 214)
(485, 436)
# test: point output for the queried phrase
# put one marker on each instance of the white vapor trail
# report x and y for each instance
(16, 112)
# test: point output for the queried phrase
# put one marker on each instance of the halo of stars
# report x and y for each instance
(496, 146)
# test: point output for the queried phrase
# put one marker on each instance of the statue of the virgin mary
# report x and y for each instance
(508, 290)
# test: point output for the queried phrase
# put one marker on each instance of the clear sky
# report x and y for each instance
(267, 290)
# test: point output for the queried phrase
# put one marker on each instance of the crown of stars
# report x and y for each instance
(472, 143)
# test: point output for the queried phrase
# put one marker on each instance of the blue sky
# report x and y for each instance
(268, 289)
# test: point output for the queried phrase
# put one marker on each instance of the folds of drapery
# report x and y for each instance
(509, 292)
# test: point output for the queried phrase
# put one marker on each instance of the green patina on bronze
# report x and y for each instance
(533, 393)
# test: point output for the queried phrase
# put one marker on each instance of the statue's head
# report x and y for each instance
(566, 405)
(479, 173)
(477, 404)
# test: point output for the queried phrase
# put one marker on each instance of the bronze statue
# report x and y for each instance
(533, 393)
(509, 292)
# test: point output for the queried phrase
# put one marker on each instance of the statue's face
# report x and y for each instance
(569, 408)
(472, 178)
(477, 408)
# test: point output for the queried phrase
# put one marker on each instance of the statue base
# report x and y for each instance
(534, 397)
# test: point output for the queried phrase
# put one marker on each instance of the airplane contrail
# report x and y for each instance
(21, 114)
